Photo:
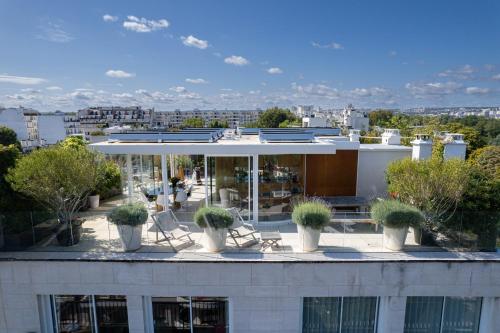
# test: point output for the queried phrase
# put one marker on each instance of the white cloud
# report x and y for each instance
(275, 70)
(432, 89)
(21, 80)
(194, 42)
(53, 88)
(236, 60)
(477, 91)
(332, 45)
(315, 90)
(196, 81)
(109, 18)
(119, 74)
(53, 32)
(368, 92)
(142, 24)
(178, 89)
(463, 73)
(496, 77)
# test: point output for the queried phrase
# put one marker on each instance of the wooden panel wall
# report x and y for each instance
(332, 174)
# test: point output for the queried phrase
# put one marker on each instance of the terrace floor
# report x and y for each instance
(100, 236)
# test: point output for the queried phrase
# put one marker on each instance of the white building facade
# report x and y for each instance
(25, 123)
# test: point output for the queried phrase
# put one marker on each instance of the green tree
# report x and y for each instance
(8, 156)
(488, 160)
(58, 178)
(290, 123)
(272, 118)
(8, 137)
(216, 123)
(193, 122)
(380, 117)
(74, 142)
(434, 186)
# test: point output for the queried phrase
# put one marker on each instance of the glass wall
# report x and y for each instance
(90, 314)
(281, 180)
(230, 183)
(339, 314)
(181, 314)
(442, 314)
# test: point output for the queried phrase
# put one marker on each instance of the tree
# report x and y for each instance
(290, 123)
(193, 122)
(434, 186)
(74, 142)
(8, 156)
(272, 118)
(380, 117)
(8, 137)
(60, 179)
(488, 160)
(216, 123)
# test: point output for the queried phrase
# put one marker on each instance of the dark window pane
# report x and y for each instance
(209, 315)
(171, 314)
(358, 314)
(461, 315)
(423, 314)
(111, 312)
(73, 314)
(321, 315)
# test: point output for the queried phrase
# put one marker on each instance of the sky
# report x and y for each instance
(67, 55)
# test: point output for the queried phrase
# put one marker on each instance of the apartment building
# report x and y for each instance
(234, 118)
(94, 119)
(25, 123)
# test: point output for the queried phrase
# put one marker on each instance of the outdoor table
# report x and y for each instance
(270, 239)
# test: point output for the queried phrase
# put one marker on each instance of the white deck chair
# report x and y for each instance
(241, 229)
(168, 225)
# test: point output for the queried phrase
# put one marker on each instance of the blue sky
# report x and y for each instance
(246, 54)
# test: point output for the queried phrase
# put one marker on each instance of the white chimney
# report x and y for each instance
(391, 136)
(454, 146)
(422, 147)
(354, 135)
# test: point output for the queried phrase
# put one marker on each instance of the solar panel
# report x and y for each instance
(184, 135)
(285, 135)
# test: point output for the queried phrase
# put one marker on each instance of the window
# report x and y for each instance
(181, 314)
(89, 314)
(442, 314)
(339, 314)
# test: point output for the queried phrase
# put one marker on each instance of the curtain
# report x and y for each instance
(358, 314)
(461, 315)
(423, 314)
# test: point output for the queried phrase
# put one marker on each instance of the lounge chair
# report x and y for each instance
(168, 225)
(241, 230)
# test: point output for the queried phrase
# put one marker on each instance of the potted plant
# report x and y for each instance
(108, 182)
(129, 219)
(214, 221)
(396, 217)
(310, 218)
(174, 181)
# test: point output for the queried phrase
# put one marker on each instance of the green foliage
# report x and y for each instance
(73, 142)
(395, 214)
(97, 133)
(109, 180)
(380, 118)
(132, 214)
(272, 118)
(313, 214)
(193, 122)
(216, 217)
(488, 160)
(58, 178)
(8, 137)
(434, 186)
(183, 161)
(216, 123)
(290, 123)
(8, 156)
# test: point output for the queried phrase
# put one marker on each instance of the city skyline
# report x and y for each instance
(221, 54)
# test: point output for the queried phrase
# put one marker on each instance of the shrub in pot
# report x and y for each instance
(129, 219)
(396, 217)
(214, 221)
(310, 217)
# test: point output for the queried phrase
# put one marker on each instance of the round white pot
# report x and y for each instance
(94, 201)
(394, 238)
(308, 238)
(130, 236)
(215, 239)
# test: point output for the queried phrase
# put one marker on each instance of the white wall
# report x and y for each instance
(51, 128)
(13, 118)
(372, 164)
(263, 296)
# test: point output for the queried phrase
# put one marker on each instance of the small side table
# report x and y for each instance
(270, 239)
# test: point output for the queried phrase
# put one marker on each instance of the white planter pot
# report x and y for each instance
(394, 238)
(130, 236)
(94, 201)
(215, 239)
(308, 238)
